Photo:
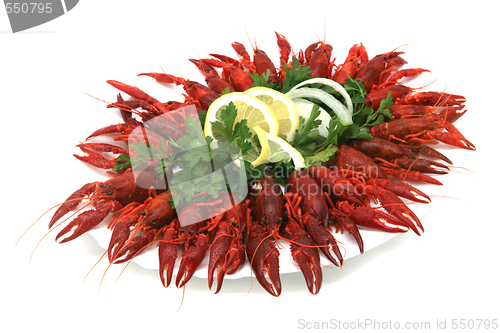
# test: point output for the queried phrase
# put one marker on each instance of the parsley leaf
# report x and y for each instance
(365, 116)
(307, 134)
(322, 156)
(263, 80)
(295, 75)
(122, 162)
(238, 133)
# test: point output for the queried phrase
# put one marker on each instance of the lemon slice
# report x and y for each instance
(283, 108)
(256, 156)
(280, 150)
(256, 112)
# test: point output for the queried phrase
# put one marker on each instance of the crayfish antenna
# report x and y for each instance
(182, 299)
(94, 266)
(97, 98)
(48, 210)
(123, 107)
(48, 232)
(426, 85)
(103, 275)
(324, 34)
(450, 94)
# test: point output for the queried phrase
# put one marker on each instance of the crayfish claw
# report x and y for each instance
(218, 251)
(167, 263)
(119, 237)
(323, 238)
(401, 189)
(272, 284)
(73, 201)
(266, 271)
(311, 269)
(94, 158)
(167, 253)
(264, 259)
(450, 135)
(347, 224)
(306, 255)
(133, 246)
(227, 254)
(371, 218)
(121, 232)
(235, 257)
(191, 259)
(396, 207)
(86, 221)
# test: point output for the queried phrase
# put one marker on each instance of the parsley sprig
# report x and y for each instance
(238, 133)
(200, 168)
(294, 75)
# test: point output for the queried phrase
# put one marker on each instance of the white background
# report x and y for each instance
(45, 73)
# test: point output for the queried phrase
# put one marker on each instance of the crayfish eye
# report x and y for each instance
(189, 85)
(101, 185)
(431, 128)
(110, 192)
(153, 223)
(233, 224)
(143, 213)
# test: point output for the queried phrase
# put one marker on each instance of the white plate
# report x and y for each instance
(371, 239)
(149, 259)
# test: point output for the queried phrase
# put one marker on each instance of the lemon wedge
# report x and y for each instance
(256, 112)
(256, 156)
(283, 108)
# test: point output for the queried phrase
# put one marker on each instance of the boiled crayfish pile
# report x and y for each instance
(367, 168)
